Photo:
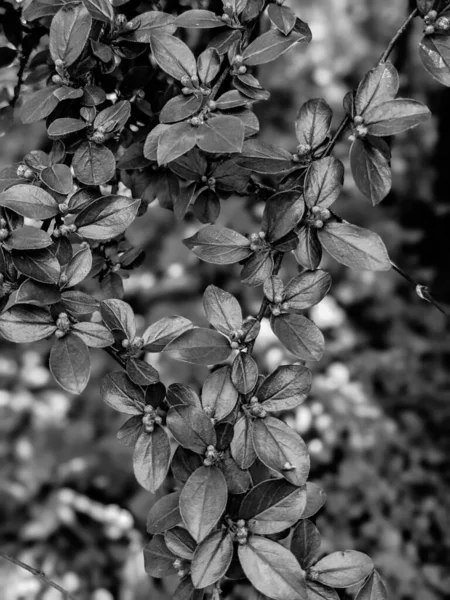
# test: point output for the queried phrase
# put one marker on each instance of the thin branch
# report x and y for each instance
(397, 36)
(339, 131)
(116, 357)
(38, 574)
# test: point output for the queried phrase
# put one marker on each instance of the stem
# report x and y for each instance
(421, 290)
(340, 130)
(116, 357)
(397, 36)
(38, 574)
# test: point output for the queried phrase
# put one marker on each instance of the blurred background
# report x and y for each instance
(378, 419)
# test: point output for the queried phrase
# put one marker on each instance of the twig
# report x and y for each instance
(397, 36)
(116, 357)
(340, 130)
(38, 574)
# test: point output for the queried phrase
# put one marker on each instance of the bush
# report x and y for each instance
(135, 113)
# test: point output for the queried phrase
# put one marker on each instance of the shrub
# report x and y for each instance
(134, 113)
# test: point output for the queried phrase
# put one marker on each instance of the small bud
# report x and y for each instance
(28, 174)
(141, 93)
(149, 410)
(177, 564)
(207, 462)
(21, 170)
(262, 235)
(254, 400)
(149, 428)
(234, 345)
(116, 267)
(325, 214)
(63, 208)
(98, 137)
(285, 306)
(63, 279)
(120, 20)
(275, 311)
(181, 573)
(137, 343)
(442, 24)
(3, 223)
(315, 210)
(125, 343)
(288, 467)
(318, 224)
(361, 131)
(204, 179)
(72, 228)
(57, 79)
(212, 105)
(158, 420)
(242, 69)
(358, 120)
(254, 237)
(429, 30)
(211, 182)
(431, 17)
(296, 158)
(195, 80)
(56, 233)
(241, 523)
(195, 122)
(303, 149)
(186, 91)
(59, 63)
(278, 299)
(59, 334)
(206, 91)
(226, 18)
(208, 410)
(4, 233)
(238, 60)
(185, 80)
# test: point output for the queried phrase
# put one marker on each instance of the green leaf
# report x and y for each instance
(219, 245)
(60, 128)
(305, 543)
(174, 142)
(164, 514)
(199, 19)
(354, 246)
(140, 372)
(70, 363)
(40, 265)
(244, 372)
(324, 182)
(28, 238)
(309, 250)
(221, 134)
(222, 310)
(199, 346)
(315, 499)
(113, 118)
(93, 164)
(203, 500)
(282, 212)
(285, 388)
(272, 569)
(370, 164)
(434, 51)
(107, 217)
(317, 591)
(69, 32)
(299, 335)
(186, 590)
(23, 324)
(282, 17)
(119, 392)
(342, 569)
(158, 335)
(211, 559)
(184, 463)
(158, 559)
(257, 268)
(151, 23)
(241, 446)
(238, 480)
(272, 506)
(395, 116)
(180, 542)
(151, 459)
(373, 589)
(101, 10)
(29, 201)
(379, 85)
(307, 289)
(191, 428)
(94, 335)
(79, 303)
(262, 157)
(78, 267)
(41, 294)
(173, 56)
(130, 431)
(118, 315)
(281, 449)
(269, 46)
(219, 396)
(58, 178)
(313, 123)
(180, 108)
(39, 105)
(208, 65)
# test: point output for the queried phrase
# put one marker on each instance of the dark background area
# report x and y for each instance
(378, 419)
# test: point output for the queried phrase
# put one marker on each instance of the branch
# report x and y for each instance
(38, 574)
(421, 290)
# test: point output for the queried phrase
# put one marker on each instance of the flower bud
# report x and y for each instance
(318, 224)
(303, 149)
(59, 63)
(195, 122)
(59, 334)
(98, 137)
(325, 214)
(195, 80)
(186, 91)
(429, 30)
(358, 120)
(212, 105)
(234, 345)
(285, 306)
(262, 235)
(238, 60)
(4, 233)
(63, 208)
(125, 343)
(275, 311)
(242, 70)
(442, 24)
(211, 182)
(288, 467)
(57, 79)
(28, 174)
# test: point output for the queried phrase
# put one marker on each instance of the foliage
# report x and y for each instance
(134, 115)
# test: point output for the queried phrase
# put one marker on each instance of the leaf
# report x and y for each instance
(101, 10)
(40, 265)
(93, 164)
(434, 51)
(173, 56)
(29, 201)
(113, 118)
(299, 335)
(164, 514)
(39, 105)
(174, 142)
(199, 346)
(313, 123)
(79, 303)
(219, 245)
(181, 394)
(130, 431)
(207, 206)
(191, 428)
(158, 559)
(212, 559)
(317, 591)
(395, 116)
(281, 214)
(63, 127)
(118, 315)
(199, 19)
(324, 182)
(28, 238)
(241, 446)
(269, 46)
(278, 446)
(208, 65)
(94, 335)
(162, 332)
(231, 99)
(58, 178)
(379, 85)
(151, 23)
(272, 506)
(272, 569)
(315, 499)
(7, 56)
(203, 500)
(69, 32)
(219, 396)
(282, 17)
(222, 310)
(238, 480)
(119, 392)
(78, 268)
(151, 459)
(221, 134)
(371, 169)
(180, 542)
(285, 388)
(70, 363)
(305, 543)
(180, 108)
(257, 268)
(186, 591)
(262, 157)
(244, 372)
(309, 250)
(373, 589)
(23, 324)
(184, 463)
(41, 294)
(107, 217)
(342, 569)
(307, 289)
(140, 372)
(355, 247)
